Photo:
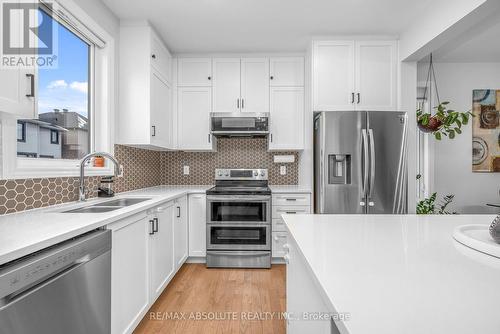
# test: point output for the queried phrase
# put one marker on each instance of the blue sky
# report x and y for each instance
(65, 86)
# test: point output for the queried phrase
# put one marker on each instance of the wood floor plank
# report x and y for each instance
(256, 296)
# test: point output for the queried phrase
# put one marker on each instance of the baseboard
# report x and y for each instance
(196, 259)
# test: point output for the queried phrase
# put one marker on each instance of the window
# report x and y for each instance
(21, 131)
(63, 100)
(54, 137)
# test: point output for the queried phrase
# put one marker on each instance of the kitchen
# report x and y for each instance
(182, 169)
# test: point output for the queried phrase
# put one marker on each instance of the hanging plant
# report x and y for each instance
(444, 122)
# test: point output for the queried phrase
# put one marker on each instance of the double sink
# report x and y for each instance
(108, 206)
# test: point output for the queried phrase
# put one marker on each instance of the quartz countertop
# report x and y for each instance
(400, 274)
(30, 231)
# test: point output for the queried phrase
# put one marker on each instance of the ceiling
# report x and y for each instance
(479, 44)
(266, 25)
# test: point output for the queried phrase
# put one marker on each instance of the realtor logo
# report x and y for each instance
(28, 35)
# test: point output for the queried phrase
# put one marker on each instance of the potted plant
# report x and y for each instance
(445, 122)
(428, 206)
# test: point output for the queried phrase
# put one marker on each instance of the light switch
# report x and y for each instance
(186, 170)
(282, 170)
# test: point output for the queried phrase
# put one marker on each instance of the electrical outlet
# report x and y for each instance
(282, 170)
(186, 170)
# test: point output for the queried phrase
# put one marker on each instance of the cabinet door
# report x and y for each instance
(287, 118)
(161, 112)
(161, 59)
(376, 75)
(180, 232)
(129, 274)
(194, 72)
(197, 225)
(193, 114)
(226, 85)
(286, 71)
(255, 85)
(162, 249)
(333, 75)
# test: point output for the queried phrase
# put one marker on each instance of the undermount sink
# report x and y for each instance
(93, 209)
(108, 206)
(123, 202)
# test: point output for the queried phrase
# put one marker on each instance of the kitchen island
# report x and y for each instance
(388, 274)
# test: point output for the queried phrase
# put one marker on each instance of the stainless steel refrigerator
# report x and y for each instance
(360, 163)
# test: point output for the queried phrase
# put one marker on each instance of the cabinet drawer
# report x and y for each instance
(279, 210)
(292, 199)
(279, 240)
(278, 225)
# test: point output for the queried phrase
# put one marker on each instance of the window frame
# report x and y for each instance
(23, 131)
(56, 141)
(101, 96)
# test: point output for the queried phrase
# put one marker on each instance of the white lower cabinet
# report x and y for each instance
(147, 250)
(180, 232)
(129, 272)
(161, 247)
(197, 225)
(304, 298)
(286, 204)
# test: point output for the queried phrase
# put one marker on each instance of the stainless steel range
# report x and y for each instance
(239, 219)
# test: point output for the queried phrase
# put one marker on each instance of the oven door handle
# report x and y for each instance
(239, 253)
(237, 198)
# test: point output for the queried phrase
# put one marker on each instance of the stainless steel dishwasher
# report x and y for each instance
(62, 289)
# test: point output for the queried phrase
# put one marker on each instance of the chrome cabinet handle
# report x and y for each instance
(242, 103)
(359, 98)
(209, 78)
(209, 138)
(32, 85)
(271, 137)
(365, 164)
(238, 103)
(153, 56)
(372, 164)
(178, 212)
(155, 226)
(291, 199)
(153, 130)
(352, 98)
(151, 227)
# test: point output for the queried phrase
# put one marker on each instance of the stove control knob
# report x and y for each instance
(226, 173)
(262, 173)
(255, 173)
(220, 173)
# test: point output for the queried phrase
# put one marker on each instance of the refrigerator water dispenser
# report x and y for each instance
(339, 169)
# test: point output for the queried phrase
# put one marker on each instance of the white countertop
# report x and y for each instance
(290, 189)
(401, 274)
(27, 232)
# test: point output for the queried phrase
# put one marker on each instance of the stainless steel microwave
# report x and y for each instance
(240, 124)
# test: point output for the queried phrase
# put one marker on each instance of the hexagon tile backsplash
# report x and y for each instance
(145, 168)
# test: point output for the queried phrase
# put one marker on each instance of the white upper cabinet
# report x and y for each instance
(226, 85)
(354, 75)
(194, 72)
(287, 118)
(146, 110)
(286, 71)
(376, 75)
(333, 75)
(254, 85)
(193, 117)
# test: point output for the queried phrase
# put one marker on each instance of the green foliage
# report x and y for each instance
(450, 121)
(428, 206)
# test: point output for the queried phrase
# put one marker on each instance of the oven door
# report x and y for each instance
(239, 209)
(238, 237)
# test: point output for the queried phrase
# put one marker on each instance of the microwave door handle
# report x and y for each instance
(372, 165)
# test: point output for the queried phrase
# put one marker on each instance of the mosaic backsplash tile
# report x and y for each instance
(231, 153)
(145, 168)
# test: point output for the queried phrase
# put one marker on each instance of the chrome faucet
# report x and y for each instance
(82, 169)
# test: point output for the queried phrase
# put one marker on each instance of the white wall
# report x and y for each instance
(453, 158)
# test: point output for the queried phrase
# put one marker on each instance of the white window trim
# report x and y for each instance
(14, 167)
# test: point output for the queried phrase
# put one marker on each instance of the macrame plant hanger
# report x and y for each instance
(431, 78)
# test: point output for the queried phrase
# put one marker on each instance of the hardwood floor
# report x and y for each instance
(228, 300)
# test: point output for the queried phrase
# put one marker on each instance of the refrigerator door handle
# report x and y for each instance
(372, 165)
(364, 182)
